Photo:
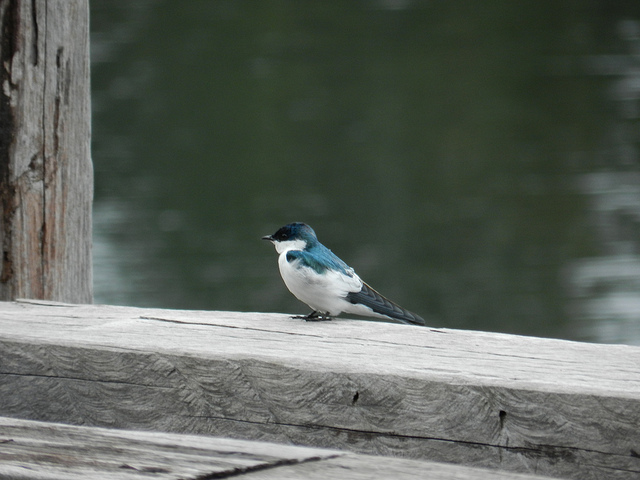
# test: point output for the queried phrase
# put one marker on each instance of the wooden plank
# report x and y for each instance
(46, 175)
(53, 451)
(522, 404)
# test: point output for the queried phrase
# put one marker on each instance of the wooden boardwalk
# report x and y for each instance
(519, 404)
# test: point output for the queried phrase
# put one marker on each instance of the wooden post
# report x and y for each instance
(46, 176)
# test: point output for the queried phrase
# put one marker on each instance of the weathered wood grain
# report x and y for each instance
(522, 404)
(46, 176)
(365, 467)
(51, 451)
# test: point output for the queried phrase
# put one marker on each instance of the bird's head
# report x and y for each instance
(294, 236)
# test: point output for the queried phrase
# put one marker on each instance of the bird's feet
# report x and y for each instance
(314, 317)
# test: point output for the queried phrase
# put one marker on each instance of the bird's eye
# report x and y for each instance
(284, 236)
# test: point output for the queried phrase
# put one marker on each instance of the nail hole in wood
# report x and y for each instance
(502, 415)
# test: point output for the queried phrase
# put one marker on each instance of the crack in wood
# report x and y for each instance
(126, 466)
(42, 237)
(217, 325)
(46, 303)
(10, 22)
(366, 341)
(304, 334)
(547, 450)
(264, 466)
(77, 379)
(532, 450)
(34, 34)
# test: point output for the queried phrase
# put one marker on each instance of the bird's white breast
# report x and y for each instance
(323, 292)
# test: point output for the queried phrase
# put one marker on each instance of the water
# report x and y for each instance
(476, 163)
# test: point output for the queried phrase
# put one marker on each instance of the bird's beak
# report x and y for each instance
(268, 237)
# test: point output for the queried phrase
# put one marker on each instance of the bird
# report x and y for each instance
(317, 277)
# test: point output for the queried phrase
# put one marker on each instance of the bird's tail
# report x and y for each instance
(383, 306)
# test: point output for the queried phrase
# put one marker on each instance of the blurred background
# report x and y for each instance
(477, 162)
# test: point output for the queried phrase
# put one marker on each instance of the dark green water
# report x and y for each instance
(477, 162)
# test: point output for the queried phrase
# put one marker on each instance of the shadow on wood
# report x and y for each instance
(522, 404)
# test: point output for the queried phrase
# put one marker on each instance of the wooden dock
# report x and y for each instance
(511, 403)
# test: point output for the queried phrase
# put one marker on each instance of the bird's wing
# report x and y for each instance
(320, 259)
(324, 270)
(339, 277)
(368, 297)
